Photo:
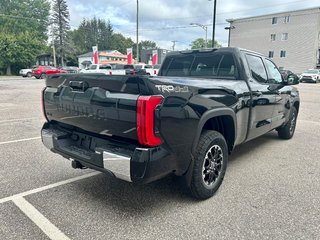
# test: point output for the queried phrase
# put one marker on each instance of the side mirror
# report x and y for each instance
(292, 79)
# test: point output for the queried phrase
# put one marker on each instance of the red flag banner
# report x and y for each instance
(129, 55)
(154, 57)
(95, 54)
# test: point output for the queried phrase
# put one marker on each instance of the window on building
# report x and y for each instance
(284, 36)
(257, 68)
(273, 37)
(283, 54)
(271, 53)
(286, 19)
(274, 20)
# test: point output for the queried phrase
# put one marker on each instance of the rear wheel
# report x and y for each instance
(287, 131)
(29, 74)
(43, 76)
(210, 165)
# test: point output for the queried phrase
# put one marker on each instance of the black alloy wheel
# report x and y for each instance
(210, 164)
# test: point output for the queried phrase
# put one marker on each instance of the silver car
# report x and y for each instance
(25, 72)
(311, 75)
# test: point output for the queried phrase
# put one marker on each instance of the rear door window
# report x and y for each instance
(258, 71)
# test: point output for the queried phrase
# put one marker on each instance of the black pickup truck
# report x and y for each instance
(185, 122)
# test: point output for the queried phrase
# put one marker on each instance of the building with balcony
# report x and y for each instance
(291, 39)
(105, 57)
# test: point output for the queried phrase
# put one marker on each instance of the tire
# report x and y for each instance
(43, 76)
(210, 165)
(29, 75)
(287, 131)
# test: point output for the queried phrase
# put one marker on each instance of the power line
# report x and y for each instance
(249, 19)
(240, 11)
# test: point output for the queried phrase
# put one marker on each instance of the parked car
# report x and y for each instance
(25, 72)
(156, 68)
(71, 69)
(311, 75)
(43, 71)
(98, 68)
(122, 69)
(148, 68)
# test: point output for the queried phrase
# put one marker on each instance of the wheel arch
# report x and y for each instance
(222, 120)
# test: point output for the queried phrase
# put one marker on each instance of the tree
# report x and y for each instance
(121, 43)
(92, 32)
(59, 22)
(25, 15)
(19, 50)
(23, 32)
(147, 44)
(201, 43)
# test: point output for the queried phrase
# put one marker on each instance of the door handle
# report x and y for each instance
(78, 85)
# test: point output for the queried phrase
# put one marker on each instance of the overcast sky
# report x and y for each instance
(163, 21)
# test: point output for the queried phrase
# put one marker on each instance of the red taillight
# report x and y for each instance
(42, 104)
(145, 120)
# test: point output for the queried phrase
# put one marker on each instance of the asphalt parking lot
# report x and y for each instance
(271, 189)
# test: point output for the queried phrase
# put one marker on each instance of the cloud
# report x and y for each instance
(163, 21)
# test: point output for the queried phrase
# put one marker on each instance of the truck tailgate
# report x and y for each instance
(96, 103)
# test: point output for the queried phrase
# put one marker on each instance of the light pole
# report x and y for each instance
(213, 21)
(205, 28)
(137, 31)
(229, 29)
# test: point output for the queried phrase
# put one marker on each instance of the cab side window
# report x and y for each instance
(258, 71)
(274, 76)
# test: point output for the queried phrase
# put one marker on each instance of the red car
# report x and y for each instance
(43, 71)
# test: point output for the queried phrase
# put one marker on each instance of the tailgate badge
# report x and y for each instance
(170, 88)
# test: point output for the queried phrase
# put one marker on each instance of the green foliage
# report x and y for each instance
(201, 43)
(120, 43)
(147, 44)
(92, 32)
(25, 15)
(19, 50)
(59, 23)
(23, 32)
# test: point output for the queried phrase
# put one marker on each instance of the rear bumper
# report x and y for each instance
(123, 161)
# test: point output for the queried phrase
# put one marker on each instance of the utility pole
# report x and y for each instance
(173, 44)
(137, 40)
(205, 28)
(214, 21)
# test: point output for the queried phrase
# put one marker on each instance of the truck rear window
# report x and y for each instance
(202, 65)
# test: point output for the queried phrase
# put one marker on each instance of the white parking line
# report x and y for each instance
(20, 140)
(41, 221)
(19, 195)
(308, 121)
(18, 120)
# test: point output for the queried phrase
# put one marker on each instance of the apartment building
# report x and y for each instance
(291, 39)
